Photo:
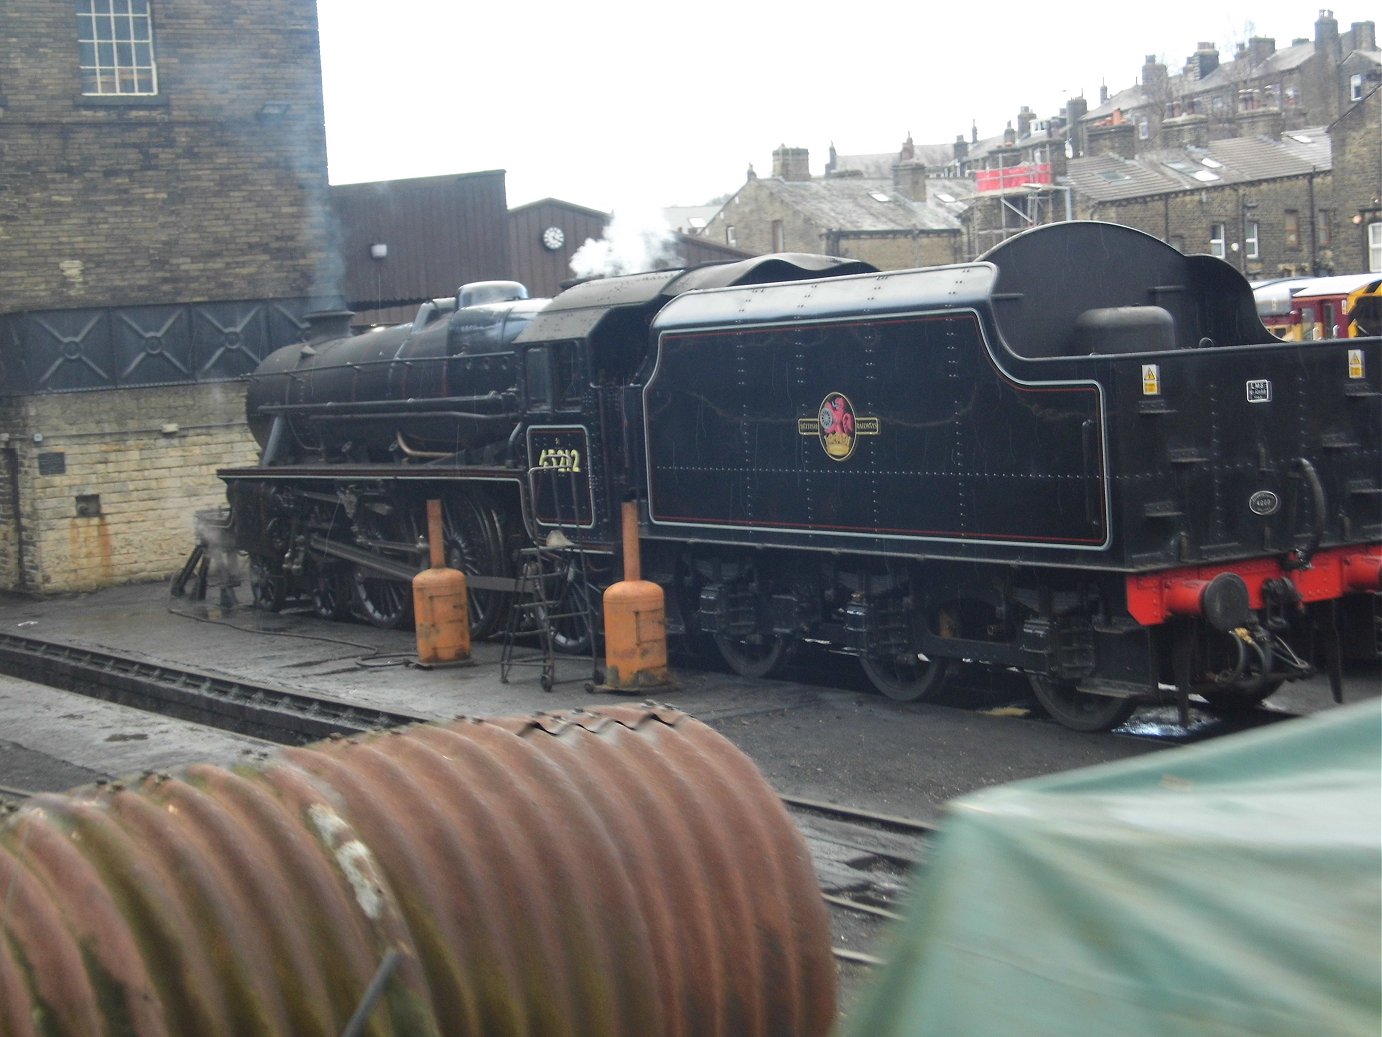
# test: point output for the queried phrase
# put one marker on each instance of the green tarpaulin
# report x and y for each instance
(1233, 888)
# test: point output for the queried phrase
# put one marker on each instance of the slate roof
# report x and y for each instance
(871, 203)
(689, 219)
(880, 166)
(1240, 70)
(1238, 160)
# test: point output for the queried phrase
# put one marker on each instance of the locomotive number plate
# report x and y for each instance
(1259, 390)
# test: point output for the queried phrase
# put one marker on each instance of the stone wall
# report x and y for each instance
(901, 250)
(1185, 220)
(1357, 179)
(101, 487)
(753, 212)
(211, 191)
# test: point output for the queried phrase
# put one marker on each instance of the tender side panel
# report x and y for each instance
(859, 430)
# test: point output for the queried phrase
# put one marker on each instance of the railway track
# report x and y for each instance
(272, 712)
(865, 862)
(863, 859)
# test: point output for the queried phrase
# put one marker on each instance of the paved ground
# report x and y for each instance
(820, 732)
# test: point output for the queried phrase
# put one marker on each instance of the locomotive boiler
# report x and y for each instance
(1082, 457)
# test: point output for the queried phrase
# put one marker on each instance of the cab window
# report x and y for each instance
(554, 377)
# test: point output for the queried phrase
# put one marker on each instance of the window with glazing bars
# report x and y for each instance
(115, 40)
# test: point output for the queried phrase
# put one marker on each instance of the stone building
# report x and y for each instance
(1261, 91)
(908, 219)
(164, 225)
(1269, 160)
(1265, 205)
(1357, 175)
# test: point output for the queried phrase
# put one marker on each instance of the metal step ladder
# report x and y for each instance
(551, 614)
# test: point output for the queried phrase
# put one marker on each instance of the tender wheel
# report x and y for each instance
(474, 532)
(903, 678)
(1239, 700)
(1079, 710)
(751, 658)
(266, 586)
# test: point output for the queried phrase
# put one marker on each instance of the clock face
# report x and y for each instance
(553, 238)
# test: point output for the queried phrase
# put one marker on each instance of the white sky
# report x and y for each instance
(624, 105)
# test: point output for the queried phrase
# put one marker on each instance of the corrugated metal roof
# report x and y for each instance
(869, 204)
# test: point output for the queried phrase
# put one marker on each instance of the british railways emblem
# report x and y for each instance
(837, 426)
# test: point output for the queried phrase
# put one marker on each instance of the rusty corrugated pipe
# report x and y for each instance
(625, 871)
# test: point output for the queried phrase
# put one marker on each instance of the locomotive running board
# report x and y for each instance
(398, 571)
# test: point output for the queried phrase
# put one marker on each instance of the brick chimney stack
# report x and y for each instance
(1203, 62)
(1260, 48)
(1363, 36)
(909, 179)
(1327, 36)
(791, 163)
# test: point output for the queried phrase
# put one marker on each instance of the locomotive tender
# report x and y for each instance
(1082, 457)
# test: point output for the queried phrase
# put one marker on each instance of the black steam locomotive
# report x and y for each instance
(1082, 457)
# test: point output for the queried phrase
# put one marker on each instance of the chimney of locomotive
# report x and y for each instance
(323, 325)
(791, 163)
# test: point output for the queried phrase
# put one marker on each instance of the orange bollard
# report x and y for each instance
(635, 621)
(440, 606)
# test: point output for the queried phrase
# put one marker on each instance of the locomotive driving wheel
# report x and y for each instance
(266, 584)
(473, 529)
(332, 590)
(1080, 710)
(572, 613)
(384, 601)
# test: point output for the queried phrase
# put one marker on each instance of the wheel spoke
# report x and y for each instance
(266, 586)
(331, 593)
(473, 530)
(384, 601)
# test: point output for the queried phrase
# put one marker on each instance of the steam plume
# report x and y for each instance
(633, 242)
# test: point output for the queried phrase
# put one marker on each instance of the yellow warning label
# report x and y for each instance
(1151, 380)
(1355, 363)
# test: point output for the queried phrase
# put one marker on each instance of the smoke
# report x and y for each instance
(633, 242)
